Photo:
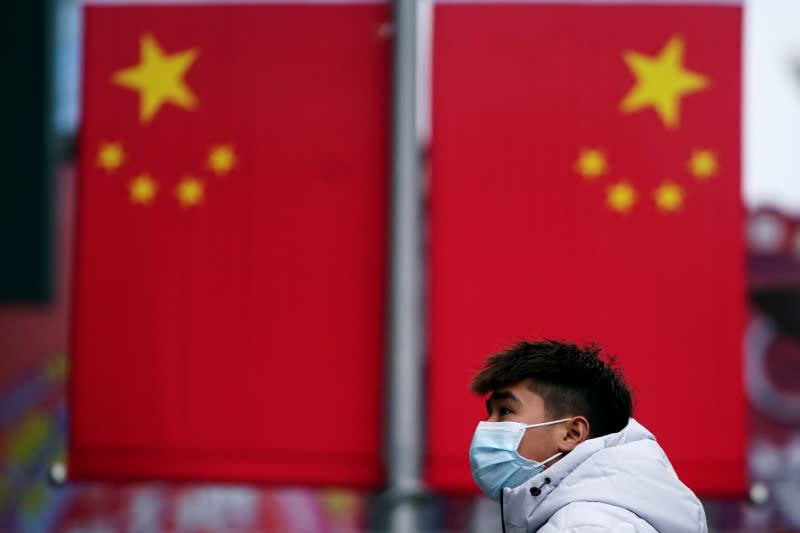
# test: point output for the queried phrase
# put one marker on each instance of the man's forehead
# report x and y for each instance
(521, 392)
(518, 389)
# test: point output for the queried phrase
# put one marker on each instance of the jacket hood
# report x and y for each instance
(627, 469)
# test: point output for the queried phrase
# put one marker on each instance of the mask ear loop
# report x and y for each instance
(552, 457)
(550, 423)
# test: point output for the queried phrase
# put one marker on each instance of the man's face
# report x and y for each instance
(518, 403)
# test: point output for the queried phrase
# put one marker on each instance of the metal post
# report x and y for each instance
(406, 311)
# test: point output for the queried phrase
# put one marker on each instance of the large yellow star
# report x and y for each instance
(591, 163)
(661, 82)
(621, 197)
(158, 78)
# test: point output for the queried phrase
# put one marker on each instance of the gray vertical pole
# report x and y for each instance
(406, 335)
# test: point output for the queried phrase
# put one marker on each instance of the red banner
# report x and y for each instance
(585, 185)
(229, 295)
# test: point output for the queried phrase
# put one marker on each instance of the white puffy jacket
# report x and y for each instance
(622, 482)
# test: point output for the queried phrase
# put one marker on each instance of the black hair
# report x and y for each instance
(573, 381)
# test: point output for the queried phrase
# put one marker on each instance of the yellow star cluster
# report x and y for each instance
(143, 189)
(622, 195)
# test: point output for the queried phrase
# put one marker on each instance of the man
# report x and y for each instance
(561, 453)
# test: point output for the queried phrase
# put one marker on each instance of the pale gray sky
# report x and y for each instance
(772, 104)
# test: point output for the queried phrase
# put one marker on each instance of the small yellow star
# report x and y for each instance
(661, 82)
(669, 197)
(621, 197)
(143, 189)
(158, 78)
(221, 159)
(591, 163)
(110, 156)
(190, 191)
(703, 164)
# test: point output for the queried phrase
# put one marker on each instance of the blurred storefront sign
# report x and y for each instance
(773, 365)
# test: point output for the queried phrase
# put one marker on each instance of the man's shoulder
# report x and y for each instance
(595, 517)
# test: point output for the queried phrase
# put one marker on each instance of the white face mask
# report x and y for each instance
(495, 461)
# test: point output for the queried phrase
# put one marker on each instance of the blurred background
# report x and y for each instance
(34, 326)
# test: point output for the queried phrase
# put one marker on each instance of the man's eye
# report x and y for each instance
(503, 411)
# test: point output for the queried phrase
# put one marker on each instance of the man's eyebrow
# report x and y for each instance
(498, 396)
(504, 395)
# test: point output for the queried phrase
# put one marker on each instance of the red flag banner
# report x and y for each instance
(585, 185)
(229, 295)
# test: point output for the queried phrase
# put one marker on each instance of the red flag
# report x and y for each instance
(230, 244)
(585, 185)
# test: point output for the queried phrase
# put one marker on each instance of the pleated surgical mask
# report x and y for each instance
(495, 460)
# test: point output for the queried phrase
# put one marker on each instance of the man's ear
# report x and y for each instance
(576, 431)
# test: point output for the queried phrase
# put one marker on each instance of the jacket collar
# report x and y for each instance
(519, 504)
